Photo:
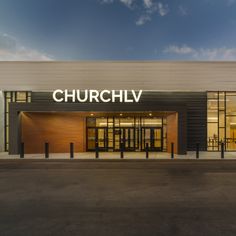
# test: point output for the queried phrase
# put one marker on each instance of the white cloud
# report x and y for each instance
(107, 1)
(148, 3)
(147, 9)
(12, 50)
(183, 50)
(231, 2)
(183, 11)
(223, 53)
(152, 7)
(163, 9)
(127, 3)
(143, 19)
(219, 53)
(227, 3)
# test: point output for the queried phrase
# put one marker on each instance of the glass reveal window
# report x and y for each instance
(13, 96)
(153, 122)
(101, 122)
(221, 111)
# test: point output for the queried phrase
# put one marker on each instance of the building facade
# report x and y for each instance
(114, 105)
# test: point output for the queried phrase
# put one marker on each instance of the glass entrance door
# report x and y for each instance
(128, 138)
(117, 139)
(134, 132)
(152, 136)
(97, 135)
(101, 137)
(125, 135)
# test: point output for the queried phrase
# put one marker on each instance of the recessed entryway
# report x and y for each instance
(107, 130)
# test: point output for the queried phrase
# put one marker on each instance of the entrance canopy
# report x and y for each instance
(106, 131)
(54, 117)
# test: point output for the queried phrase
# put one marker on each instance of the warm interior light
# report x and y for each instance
(212, 118)
(216, 100)
(131, 124)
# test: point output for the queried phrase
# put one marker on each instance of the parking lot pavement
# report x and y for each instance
(117, 197)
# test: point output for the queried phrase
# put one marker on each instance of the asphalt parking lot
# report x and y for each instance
(117, 197)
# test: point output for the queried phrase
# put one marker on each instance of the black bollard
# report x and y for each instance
(22, 150)
(46, 150)
(96, 150)
(172, 150)
(71, 150)
(121, 150)
(146, 149)
(222, 150)
(197, 150)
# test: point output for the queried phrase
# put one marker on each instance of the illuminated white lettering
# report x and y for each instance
(54, 95)
(93, 95)
(102, 96)
(69, 94)
(126, 97)
(137, 97)
(78, 93)
(117, 94)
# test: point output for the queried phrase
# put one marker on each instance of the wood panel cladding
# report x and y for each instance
(172, 132)
(56, 128)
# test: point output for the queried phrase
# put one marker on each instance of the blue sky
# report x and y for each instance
(118, 30)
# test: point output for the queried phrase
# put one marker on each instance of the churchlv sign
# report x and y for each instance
(76, 95)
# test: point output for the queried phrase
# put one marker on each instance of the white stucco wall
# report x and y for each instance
(1, 122)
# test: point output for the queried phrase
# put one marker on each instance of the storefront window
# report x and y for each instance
(221, 120)
(101, 122)
(212, 120)
(231, 121)
(127, 122)
(230, 104)
(13, 96)
(152, 122)
(134, 132)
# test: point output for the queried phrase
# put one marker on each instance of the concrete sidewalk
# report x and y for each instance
(127, 155)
